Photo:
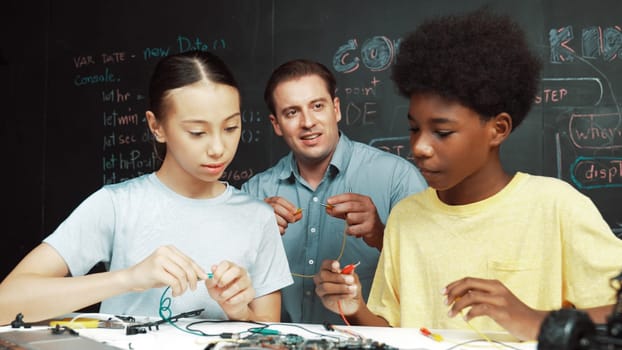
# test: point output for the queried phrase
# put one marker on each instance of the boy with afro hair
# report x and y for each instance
(479, 241)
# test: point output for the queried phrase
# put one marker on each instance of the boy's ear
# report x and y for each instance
(501, 128)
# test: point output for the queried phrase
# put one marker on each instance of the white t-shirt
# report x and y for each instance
(122, 224)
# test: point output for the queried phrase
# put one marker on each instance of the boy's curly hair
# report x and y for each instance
(480, 60)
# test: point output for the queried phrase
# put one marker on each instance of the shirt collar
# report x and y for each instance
(342, 155)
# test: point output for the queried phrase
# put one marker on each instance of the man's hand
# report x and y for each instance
(286, 213)
(361, 217)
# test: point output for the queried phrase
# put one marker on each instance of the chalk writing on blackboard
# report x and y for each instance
(596, 132)
(376, 54)
(571, 91)
(399, 146)
(183, 44)
(597, 172)
(364, 85)
(595, 42)
(127, 143)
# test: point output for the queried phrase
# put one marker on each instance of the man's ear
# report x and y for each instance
(275, 125)
(155, 127)
(501, 127)
(337, 108)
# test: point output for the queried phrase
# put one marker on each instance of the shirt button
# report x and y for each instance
(315, 199)
(311, 261)
(308, 293)
(312, 229)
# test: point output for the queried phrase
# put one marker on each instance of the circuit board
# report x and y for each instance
(296, 342)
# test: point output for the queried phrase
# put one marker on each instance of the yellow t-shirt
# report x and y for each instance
(540, 237)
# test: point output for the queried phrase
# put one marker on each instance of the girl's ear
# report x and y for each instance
(501, 127)
(155, 127)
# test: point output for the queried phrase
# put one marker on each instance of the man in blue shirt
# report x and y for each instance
(331, 195)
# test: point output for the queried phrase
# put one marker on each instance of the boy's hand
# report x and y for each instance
(286, 213)
(231, 287)
(332, 286)
(493, 299)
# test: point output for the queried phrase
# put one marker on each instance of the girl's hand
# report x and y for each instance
(166, 266)
(231, 287)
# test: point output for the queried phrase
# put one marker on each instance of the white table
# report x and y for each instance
(169, 337)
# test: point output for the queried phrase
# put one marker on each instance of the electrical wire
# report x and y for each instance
(458, 345)
(98, 316)
(474, 329)
(166, 314)
(307, 330)
(228, 335)
(341, 251)
(343, 316)
(343, 247)
(347, 331)
(165, 307)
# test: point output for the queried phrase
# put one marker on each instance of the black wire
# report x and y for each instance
(306, 330)
(252, 330)
(263, 326)
(257, 330)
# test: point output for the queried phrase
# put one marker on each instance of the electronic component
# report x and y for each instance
(296, 342)
(348, 269)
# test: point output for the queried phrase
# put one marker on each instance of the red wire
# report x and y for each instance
(343, 317)
(348, 269)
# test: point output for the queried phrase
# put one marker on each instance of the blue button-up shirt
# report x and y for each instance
(356, 168)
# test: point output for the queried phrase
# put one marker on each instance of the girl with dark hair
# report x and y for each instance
(215, 247)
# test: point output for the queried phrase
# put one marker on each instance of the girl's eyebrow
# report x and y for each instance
(201, 121)
(236, 114)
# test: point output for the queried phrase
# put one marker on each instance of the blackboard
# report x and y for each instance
(583, 126)
(102, 55)
(97, 58)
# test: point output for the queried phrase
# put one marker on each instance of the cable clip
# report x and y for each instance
(348, 269)
(427, 333)
(19, 322)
